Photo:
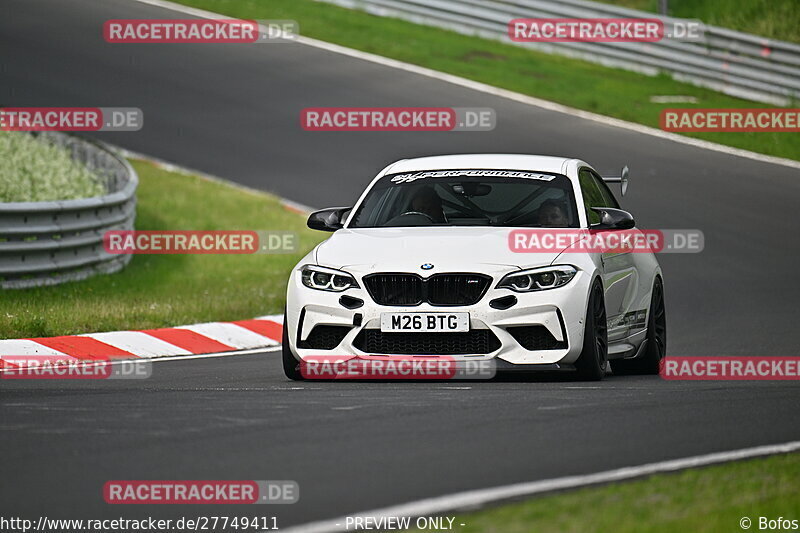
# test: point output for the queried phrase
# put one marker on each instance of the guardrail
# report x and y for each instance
(735, 63)
(45, 243)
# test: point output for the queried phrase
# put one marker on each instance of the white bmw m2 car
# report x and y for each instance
(425, 264)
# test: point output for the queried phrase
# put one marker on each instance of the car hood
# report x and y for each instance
(448, 249)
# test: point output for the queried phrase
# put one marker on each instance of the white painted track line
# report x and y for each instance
(495, 91)
(477, 498)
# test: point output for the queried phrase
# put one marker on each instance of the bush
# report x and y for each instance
(32, 170)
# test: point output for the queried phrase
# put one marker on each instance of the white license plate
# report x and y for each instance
(424, 322)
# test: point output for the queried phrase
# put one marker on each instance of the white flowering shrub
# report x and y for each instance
(32, 170)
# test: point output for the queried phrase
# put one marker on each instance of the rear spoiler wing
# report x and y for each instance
(622, 179)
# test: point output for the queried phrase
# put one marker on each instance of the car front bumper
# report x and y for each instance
(561, 311)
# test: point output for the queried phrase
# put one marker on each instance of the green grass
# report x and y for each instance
(777, 19)
(701, 500)
(579, 84)
(32, 170)
(167, 290)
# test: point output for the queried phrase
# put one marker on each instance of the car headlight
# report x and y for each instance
(538, 279)
(326, 279)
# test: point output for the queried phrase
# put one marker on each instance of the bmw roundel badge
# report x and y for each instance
(426, 266)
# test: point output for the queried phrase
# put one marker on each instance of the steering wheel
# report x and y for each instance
(426, 215)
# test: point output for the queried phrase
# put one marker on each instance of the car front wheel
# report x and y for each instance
(591, 364)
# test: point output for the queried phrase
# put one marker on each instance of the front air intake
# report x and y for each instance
(439, 290)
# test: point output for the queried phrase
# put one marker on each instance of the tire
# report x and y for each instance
(591, 363)
(291, 366)
(656, 348)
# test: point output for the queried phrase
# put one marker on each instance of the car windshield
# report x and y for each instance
(469, 198)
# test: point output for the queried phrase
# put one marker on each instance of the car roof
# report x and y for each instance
(539, 163)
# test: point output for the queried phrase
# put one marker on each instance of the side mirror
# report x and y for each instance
(622, 179)
(329, 219)
(613, 219)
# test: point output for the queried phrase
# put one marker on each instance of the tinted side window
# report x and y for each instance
(608, 197)
(592, 197)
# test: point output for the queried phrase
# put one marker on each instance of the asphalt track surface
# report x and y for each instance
(233, 111)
